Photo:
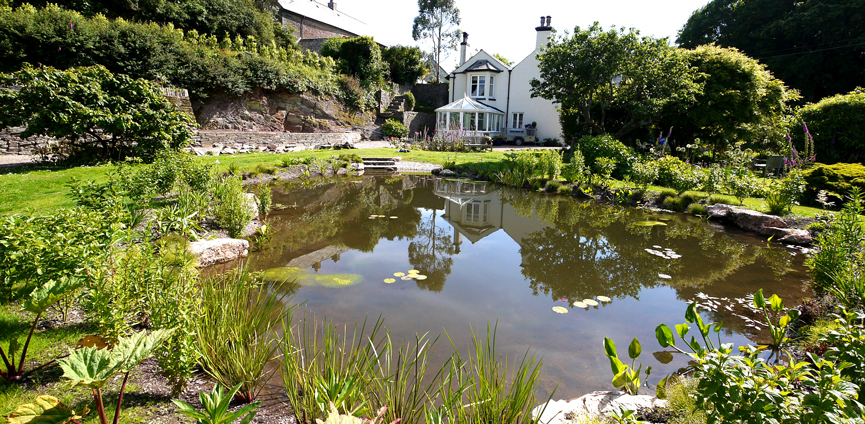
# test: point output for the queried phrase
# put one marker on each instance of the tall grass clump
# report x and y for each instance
(494, 389)
(840, 251)
(231, 205)
(323, 365)
(236, 334)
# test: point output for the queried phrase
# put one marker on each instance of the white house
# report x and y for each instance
(488, 97)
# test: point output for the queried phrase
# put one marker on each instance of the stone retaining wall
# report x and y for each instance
(420, 122)
(228, 138)
(431, 95)
(11, 144)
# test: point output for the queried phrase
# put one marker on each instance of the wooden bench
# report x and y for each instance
(477, 142)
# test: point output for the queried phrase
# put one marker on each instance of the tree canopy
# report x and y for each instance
(613, 82)
(406, 64)
(815, 46)
(740, 100)
(437, 22)
(92, 110)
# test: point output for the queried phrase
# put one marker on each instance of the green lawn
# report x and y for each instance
(45, 189)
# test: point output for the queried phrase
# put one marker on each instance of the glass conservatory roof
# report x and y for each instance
(468, 105)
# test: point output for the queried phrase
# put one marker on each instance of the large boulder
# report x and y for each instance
(217, 251)
(750, 220)
(789, 235)
(593, 404)
(719, 210)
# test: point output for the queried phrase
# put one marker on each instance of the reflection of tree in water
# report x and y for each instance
(589, 249)
(430, 252)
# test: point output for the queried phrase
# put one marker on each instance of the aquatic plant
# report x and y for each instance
(625, 377)
(215, 407)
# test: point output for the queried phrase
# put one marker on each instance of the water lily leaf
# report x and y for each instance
(389, 280)
(393, 217)
(91, 341)
(663, 356)
(579, 304)
(664, 276)
(604, 298)
(49, 293)
(649, 223)
(398, 274)
(590, 302)
(282, 274)
(420, 277)
(413, 271)
(331, 280)
(406, 278)
(45, 410)
(560, 309)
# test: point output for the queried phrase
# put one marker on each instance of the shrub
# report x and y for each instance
(668, 168)
(361, 57)
(394, 128)
(409, 101)
(644, 172)
(553, 186)
(406, 64)
(696, 209)
(783, 194)
(742, 186)
(574, 171)
(566, 190)
(837, 179)
(604, 167)
(231, 205)
(105, 115)
(837, 124)
(549, 163)
(674, 203)
(594, 147)
(840, 253)
(664, 194)
(265, 199)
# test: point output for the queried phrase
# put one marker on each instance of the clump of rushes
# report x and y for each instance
(552, 186)
(236, 336)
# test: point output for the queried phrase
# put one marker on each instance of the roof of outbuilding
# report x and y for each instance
(322, 13)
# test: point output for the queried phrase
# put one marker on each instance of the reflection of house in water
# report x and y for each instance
(475, 209)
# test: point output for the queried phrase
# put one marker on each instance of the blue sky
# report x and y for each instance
(507, 27)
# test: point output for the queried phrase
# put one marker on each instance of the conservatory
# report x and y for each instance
(470, 118)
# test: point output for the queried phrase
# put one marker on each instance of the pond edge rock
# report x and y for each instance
(218, 251)
(598, 404)
(761, 223)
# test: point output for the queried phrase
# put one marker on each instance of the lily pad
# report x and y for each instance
(420, 277)
(393, 217)
(664, 276)
(649, 223)
(306, 278)
(604, 298)
(560, 309)
(579, 304)
(282, 274)
(413, 271)
(590, 302)
(389, 280)
(398, 274)
(405, 278)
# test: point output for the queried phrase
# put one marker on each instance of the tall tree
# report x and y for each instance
(437, 23)
(815, 46)
(740, 100)
(406, 63)
(595, 75)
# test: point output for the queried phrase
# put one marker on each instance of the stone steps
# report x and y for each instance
(377, 164)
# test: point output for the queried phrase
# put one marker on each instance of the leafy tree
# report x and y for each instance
(437, 22)
(406, 64)
(93, 111)
(596, 74)
(740, 100)
(816, 46)
(503, 59)
(361, 57)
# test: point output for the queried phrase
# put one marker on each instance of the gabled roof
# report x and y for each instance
(467, 105)
(321, 12)
(481, 66)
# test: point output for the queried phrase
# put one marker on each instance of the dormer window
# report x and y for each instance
(479, 86)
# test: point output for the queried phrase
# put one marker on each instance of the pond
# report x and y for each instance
(481, 253)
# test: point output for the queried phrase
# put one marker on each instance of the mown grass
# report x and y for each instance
(45, 189)
(51, 344)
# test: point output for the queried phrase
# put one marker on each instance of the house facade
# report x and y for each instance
(314, 22)
(488, 97)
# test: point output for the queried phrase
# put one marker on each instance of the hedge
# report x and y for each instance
(838, 178)
(837, 124)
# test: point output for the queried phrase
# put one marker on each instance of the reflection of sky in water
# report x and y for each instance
(488, 283)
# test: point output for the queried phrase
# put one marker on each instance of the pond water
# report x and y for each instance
(491, 254)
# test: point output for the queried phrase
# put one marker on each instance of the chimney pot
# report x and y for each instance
(332, 5)
(542, 20)
(465, 37)
(548, 20)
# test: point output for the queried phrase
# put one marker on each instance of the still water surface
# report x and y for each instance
(496, 255)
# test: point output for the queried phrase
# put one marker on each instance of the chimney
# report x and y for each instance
(463, 46)
(332, 5)
(544, 32)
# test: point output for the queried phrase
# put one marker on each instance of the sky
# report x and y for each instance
(507, 27)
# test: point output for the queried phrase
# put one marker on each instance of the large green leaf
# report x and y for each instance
(131, 351)
(634, 349)
(90, 367)
(610, 347)
(49, 293)
(759, 299)
(45, 410)
(776, 303)
(664, 335)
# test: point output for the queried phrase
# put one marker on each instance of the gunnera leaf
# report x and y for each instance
(45, 410)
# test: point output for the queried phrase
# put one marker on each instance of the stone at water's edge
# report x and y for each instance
(217, 251)
(719, 210)
(758, 222)
(789, 235)
(755, 221)
(596, 403)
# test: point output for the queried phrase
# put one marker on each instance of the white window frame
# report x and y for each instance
(477, 212)
(479, 81)
(491, 87)
(517, 120)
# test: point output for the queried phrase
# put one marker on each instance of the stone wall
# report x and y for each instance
(11, 144)
(419, 122)
(265, 139)
(180, 99)
(431, 95)
(310, 28)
